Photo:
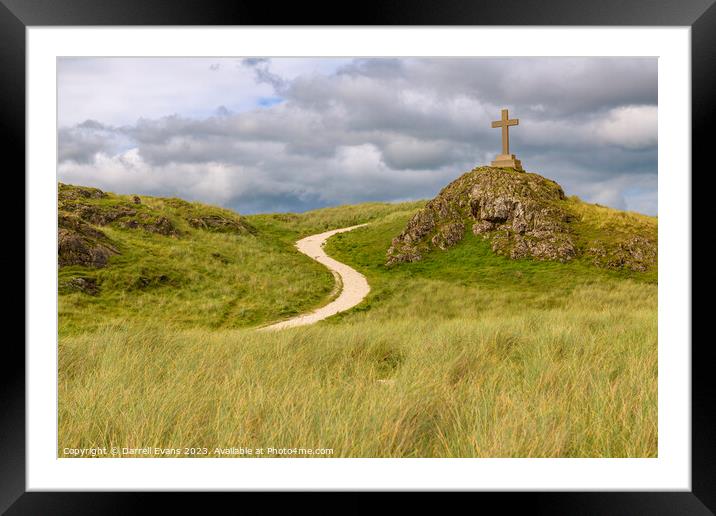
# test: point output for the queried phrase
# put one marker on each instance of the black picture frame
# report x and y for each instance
(17, 15)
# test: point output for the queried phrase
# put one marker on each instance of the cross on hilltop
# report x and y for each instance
(506, 160)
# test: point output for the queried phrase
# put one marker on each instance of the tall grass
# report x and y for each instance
(463, 354)
(574, 381)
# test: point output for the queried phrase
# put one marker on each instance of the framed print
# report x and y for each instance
(417, 250)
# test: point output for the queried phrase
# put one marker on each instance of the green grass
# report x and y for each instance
(291, 226)
(463, 354)
(205, 279)
(470, 263)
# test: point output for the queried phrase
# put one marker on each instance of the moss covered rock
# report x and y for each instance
(67, 192)
(519, 212)
(98, 208)
(525, 215)
(636, 253)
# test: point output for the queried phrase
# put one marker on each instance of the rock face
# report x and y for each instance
(518, 212)
(78, 243)
(525, 215)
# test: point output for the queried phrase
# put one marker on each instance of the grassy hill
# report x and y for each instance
(465, 352)
(185, 264)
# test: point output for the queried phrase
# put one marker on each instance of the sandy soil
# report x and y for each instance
(354, 285)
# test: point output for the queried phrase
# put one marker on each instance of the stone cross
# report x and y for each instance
(506, 160)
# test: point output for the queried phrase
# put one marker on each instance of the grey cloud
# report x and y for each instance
(223, 111)
(92, 124)
(81, 142)
(386, 129)
(386, 67)
(263, 74)
(544, 87)
(417, 154)
(254, 61)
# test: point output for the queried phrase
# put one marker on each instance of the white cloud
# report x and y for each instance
(118, 91)
(354, 131)
(632, 127)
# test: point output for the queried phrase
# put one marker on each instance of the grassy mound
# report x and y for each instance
(525, 215)
(131, 260)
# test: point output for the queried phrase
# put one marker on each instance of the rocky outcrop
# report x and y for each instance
(81, 201)
(525, 215)
(100, 215)
(518, 212)
(84, 212)
(78, 243)
(151, 224)
(71, 192)
(636, 253)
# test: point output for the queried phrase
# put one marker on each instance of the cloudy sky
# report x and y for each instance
(291, 134)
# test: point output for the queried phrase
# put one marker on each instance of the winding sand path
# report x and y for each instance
(354, 285)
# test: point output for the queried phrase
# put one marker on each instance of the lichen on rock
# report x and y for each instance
(636, 253)
(524, 215)
(518, 212)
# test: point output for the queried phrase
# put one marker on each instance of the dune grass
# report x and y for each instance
(464, 354)
(422, 378)
(207, 279)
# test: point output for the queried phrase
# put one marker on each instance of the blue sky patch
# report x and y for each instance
(269, 101)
